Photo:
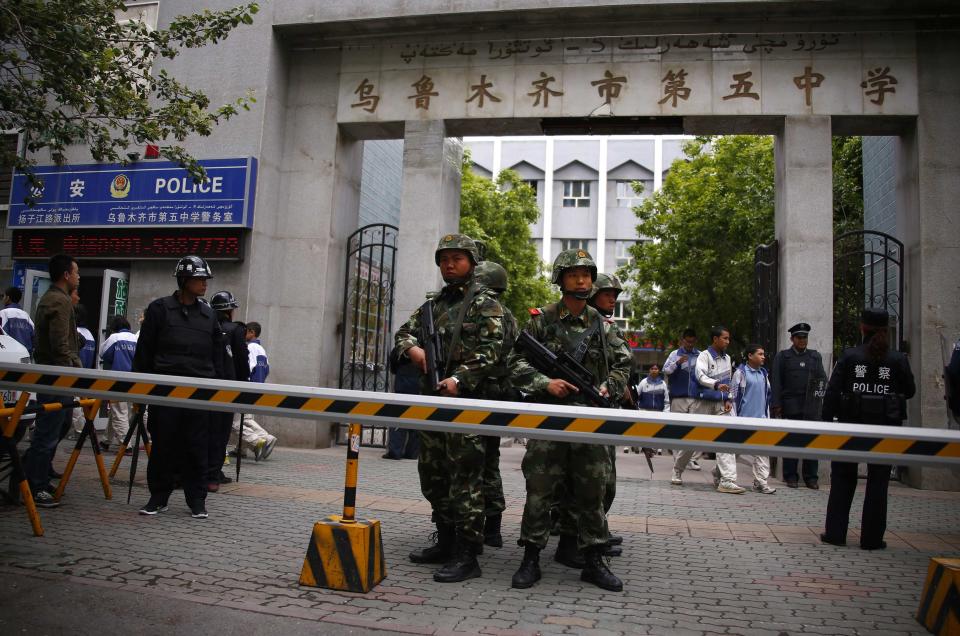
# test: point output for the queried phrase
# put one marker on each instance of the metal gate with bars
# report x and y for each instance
(766, 296)
(867, 272)
(367, 335)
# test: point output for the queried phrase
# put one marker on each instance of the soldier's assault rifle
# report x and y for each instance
(432, 345)
(562, 366)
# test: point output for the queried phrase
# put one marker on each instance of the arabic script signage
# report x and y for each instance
(722, 74)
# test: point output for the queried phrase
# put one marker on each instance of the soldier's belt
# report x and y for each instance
(849, 442)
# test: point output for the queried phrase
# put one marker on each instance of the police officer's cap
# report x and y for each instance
(875, 317)
(800, 329)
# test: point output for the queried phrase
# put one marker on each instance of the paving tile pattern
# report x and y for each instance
(695, 562)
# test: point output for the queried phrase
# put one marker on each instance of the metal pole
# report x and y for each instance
(350, 480)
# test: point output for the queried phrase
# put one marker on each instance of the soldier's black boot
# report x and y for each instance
(615, 539)
(567, 552)
(529, 571)
(597, 572)
(462, 565)
(491, 531)
(439, 552)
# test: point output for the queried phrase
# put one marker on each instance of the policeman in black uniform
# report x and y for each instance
(870, 385)
(790, 378)
(180, 336)
(236, 366)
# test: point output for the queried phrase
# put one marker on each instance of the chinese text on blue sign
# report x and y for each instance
(158, 194)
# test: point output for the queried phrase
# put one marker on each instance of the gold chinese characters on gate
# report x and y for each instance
(878, 83)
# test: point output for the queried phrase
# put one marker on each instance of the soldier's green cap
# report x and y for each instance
(458, 242)
(573, 258)
(491, 274)
(606, 281)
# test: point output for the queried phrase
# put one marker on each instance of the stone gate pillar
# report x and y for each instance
(804, 228)
(429, 208)
(928, 221)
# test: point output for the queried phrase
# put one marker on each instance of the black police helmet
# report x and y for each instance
(224, 301)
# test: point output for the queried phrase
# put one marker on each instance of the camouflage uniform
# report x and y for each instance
(497, 387)
(583, 468)
(450, 464)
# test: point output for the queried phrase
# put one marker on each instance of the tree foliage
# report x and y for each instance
(72, 73)
(715, 207)
(500, 213)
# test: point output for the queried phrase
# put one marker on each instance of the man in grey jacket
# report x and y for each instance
(57, 345)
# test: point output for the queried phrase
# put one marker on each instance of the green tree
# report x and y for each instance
(71, 73)
(500, 213)
(715, 207)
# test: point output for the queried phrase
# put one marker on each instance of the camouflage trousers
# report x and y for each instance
(582, 471)
(564, 510)
(451, 468)
(493, 501)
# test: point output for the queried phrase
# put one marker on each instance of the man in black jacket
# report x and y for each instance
(794, 370)
(180, 335)
(236, 366)
(870, 385)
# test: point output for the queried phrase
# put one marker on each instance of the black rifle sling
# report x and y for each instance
(455, 340)
(578, 348)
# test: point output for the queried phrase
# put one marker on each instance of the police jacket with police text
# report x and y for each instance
(868, 391)
(177, 339)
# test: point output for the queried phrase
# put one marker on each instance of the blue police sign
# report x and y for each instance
(148, 194)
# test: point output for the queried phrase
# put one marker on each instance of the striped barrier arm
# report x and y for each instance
(825, 440)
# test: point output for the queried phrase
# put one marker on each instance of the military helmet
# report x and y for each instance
(192, 267)
(224, 301)
(491, 274)
(606, 281)
(572, 258)
(458, 242)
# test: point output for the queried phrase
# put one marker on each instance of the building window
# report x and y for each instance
(626, 197)
(534, 185)
(622, 252)
(574, 244)
(623, 313)
(576, 194)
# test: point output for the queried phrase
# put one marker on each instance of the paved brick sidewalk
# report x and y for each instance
(695, 561)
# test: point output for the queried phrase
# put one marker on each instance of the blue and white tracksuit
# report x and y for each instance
(750, 393)
(116, 354)
(253, 433)
(653, 394)
(711, 369)
(680, 379)
(16, 323)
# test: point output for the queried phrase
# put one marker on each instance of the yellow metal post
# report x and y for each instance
(346, 553)
(9, 421)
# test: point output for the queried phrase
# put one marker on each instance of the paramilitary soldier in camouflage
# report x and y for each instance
(584, 468)
(603, 297)
(495, 387)
(469, 320)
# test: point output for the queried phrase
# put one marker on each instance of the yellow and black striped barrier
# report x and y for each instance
(940, 603)
(346, 553)
(9, 420)
(824, 440)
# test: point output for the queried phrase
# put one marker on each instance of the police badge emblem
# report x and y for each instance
(120, 186)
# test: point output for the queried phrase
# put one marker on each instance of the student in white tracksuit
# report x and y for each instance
(116, 354)
(254, 436)
(713, 374)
